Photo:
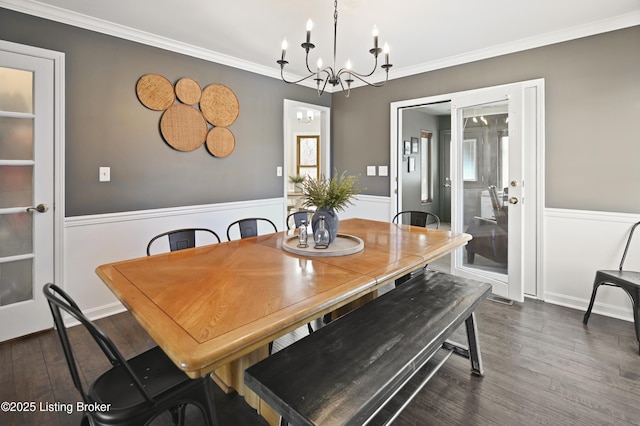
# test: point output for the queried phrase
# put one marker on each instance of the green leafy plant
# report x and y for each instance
(335, 193)
(296, 179)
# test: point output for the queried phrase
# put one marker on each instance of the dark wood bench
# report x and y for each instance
(345, 373)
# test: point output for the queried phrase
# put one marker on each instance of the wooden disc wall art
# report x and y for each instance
(219, 105)
(221, 142)
(155, 92)
(188, 91)
(183, 126)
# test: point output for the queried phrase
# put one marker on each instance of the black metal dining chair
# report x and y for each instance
(298, 217)
(249, 227)
(417, 218)
(629, 281)
(136, 390)
(182, 238)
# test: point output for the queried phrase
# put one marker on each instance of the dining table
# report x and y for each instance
(214, 309)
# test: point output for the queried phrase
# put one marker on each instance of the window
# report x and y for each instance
(469, 160)
(308, 163)
(426, 179)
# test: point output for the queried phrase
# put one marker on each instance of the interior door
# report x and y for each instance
(487, 186)
(26, 192)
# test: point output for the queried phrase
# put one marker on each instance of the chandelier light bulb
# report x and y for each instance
(375, 37)
(309, 28)
(319, 63)
(348, 65)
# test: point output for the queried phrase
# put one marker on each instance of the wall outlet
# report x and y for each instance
(105, 174)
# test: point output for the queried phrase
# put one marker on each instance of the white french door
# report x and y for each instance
(26, 191)
(494, 187)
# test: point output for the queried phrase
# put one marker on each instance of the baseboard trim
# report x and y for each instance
(582, 304)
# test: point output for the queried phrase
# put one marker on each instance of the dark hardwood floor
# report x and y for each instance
(542, 366)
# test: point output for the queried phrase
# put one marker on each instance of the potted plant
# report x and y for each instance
(329, 196)
(297, 181)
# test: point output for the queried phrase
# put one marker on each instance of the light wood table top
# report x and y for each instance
(211, 305)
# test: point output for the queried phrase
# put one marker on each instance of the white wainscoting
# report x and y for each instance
(369, 207)
(94, 240)
(576, 244)
(90, 241)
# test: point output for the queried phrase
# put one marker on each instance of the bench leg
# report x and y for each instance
(474, 345)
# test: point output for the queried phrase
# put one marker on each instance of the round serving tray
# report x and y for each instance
(342, 246)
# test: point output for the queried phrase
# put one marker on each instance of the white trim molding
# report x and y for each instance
(577, 243)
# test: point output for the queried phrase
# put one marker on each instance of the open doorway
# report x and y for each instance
(306, 148)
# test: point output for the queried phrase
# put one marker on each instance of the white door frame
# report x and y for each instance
(533, 95)
(58, 60)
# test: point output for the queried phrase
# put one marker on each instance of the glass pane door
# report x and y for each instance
(16, 185)
(26, 181)
(485, 171)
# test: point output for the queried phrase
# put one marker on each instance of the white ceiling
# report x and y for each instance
(422, 34)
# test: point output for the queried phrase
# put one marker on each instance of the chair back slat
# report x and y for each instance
(298, 217)
(180, 239)
(249, 227)
(418, 218)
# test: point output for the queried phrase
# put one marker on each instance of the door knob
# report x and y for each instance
(513, 200)
(447, 183)
(40, 208)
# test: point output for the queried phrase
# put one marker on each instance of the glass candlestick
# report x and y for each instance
(321, 236)
(303, 235)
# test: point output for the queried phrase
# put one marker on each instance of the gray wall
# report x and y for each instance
(106, 125)
(592, 107)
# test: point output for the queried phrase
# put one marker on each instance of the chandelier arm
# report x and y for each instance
(326, 80)
(380, 84)
(306, 60)
(294, 81)
(348, 91)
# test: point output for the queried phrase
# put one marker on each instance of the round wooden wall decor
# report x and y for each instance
(188, 91)
(221, 142)
(155, 92)
(219, 105)
(183, 127)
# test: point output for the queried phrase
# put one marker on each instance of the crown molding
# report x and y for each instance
(86, 22)
(581, 31)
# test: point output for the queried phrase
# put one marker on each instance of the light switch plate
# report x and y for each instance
(371, 170)
(383, 171)
(279, 171)
(105, 174)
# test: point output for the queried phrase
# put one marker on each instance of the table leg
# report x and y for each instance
(474, 345)
(230, 377)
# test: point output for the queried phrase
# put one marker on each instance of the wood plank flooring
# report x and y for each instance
(542, 367)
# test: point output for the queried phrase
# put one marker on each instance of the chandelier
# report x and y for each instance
(331, 74)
